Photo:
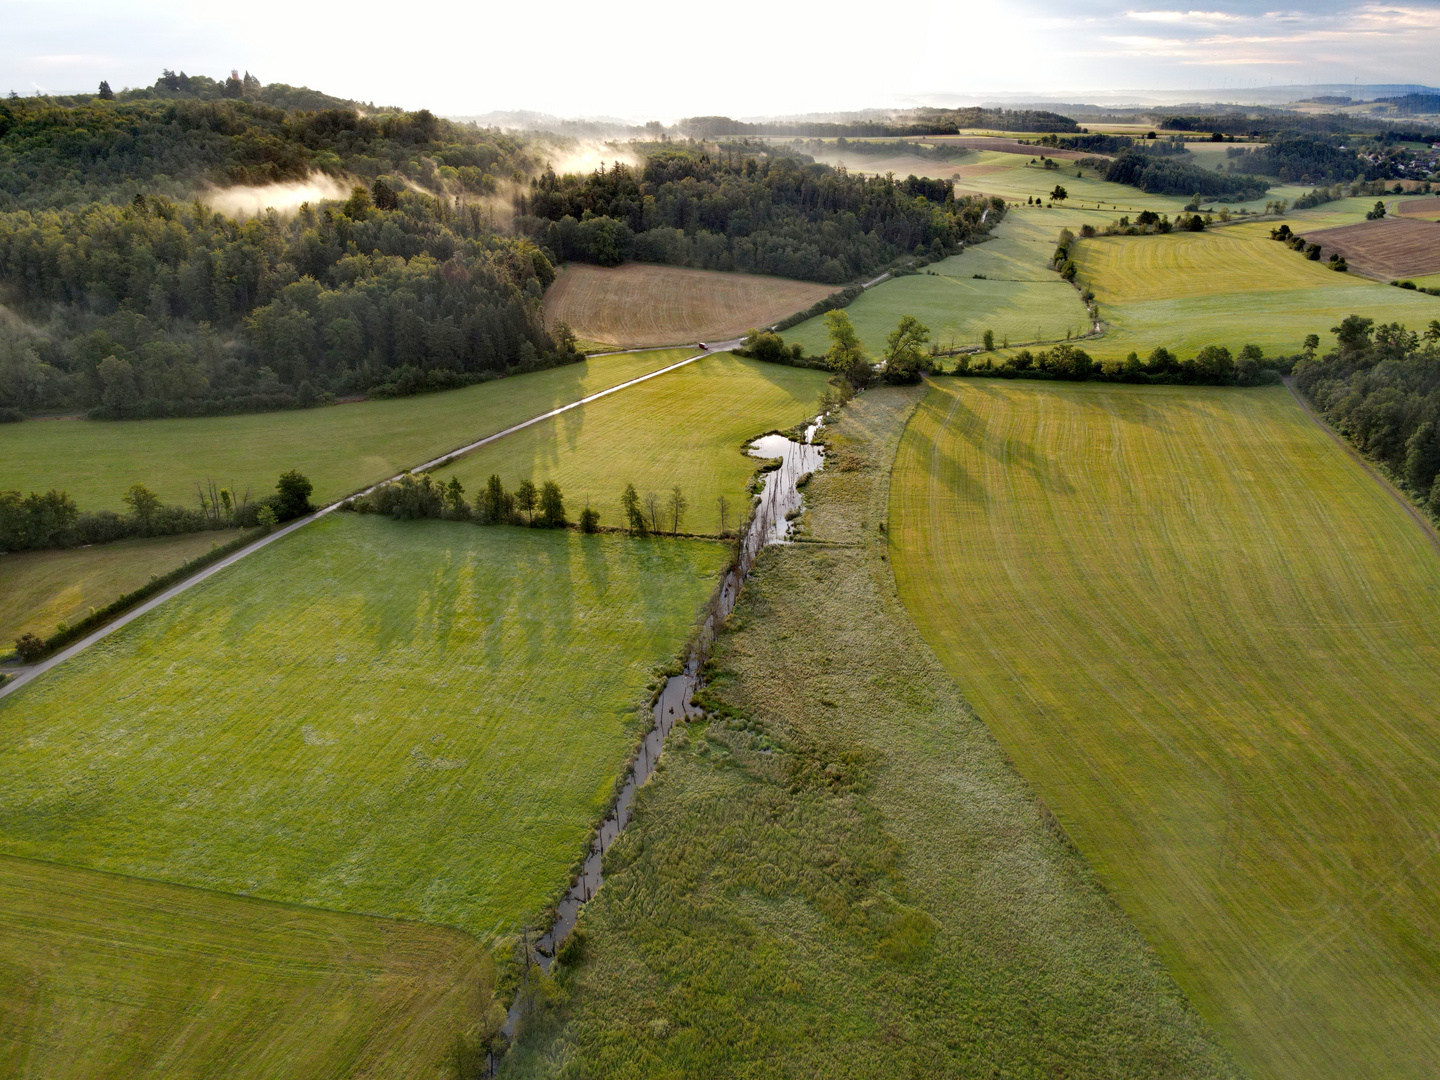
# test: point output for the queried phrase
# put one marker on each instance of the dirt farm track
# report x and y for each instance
(640, 305)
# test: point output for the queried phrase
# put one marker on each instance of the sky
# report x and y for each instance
(648, 59)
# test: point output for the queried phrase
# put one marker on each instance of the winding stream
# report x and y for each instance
(779, 500)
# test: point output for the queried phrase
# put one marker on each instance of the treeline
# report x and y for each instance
(156, 308)
(1114, 144)
(174, 86)
(38, 521)
(1380, 387)
(767, 215)
(1213, 365)
(1164, 176)
(842, 145)
(909, 124)
(413, 498)
(52, 155)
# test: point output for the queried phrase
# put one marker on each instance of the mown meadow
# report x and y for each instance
(1231, 286)
(419, 720)
(687, 427)
(103, 975)
(839, 873)
(1212, 643)
(1004, 284)
(340, 448)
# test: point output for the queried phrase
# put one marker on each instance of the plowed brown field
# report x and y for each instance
(1427, 208)
(1386, 249)
(639, 304)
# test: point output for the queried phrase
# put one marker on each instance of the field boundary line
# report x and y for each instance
(25, 675)
(1426, 526)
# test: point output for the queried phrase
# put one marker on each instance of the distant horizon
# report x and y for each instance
(765, 59)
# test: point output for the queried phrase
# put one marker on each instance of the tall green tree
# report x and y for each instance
(904, 356)
(675, 507)
(634, 515)
(526, 498)
(846, 356)
(552, 506)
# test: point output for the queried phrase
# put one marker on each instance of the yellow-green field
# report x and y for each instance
(109, 976)
(1230, 286)
(40, 589)
(1212, 643)
(416, 720)
(1020, 298)
(340, 448)
(688, 427)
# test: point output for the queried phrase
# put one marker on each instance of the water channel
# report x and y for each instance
(777, 504)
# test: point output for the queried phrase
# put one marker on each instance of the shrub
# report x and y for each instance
(589, 520)
(292, 496)
(265, 517)
(29, 648)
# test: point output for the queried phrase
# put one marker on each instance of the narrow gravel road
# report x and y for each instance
(24, 675)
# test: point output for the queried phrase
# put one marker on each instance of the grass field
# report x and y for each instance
(417, 720)
(1020, 297)
(340, 448)
(107, 976)
(1212, 643)
(1231, 287)
(688, 427)
(1385, 249)
(40, 589)
(639, 304)
(842, 875)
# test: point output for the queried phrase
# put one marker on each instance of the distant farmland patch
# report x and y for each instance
(1231, 287)
(1429, 208)
(1386, 249)
(639, 304)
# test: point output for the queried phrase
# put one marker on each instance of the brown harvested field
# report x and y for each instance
(1386, 249)
(640, 305)
(1428, 208)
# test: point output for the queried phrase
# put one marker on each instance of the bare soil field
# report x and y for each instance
(1427, 208)
(1390, 248)
(639, 304)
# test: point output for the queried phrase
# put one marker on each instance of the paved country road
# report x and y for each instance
(25, 674)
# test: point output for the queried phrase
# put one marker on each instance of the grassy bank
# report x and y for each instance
(41, 589)
(103, 975)
(841, 875)
(418, 720)
(1210, 640)
(688, 428)
(340, 448)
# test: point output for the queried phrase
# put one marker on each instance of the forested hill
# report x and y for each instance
(57, 155)
(136, 300)
(737, 210)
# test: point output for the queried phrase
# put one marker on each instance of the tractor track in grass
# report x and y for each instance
(20, 676)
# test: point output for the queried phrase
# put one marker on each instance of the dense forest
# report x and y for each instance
(129, 298)
(907, 124)
(53, 155)
(158, 308)
(763, 214)
(1168, 176)
(1304, 160)
(1381, 388)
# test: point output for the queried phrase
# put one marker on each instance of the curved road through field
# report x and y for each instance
(23, 675)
